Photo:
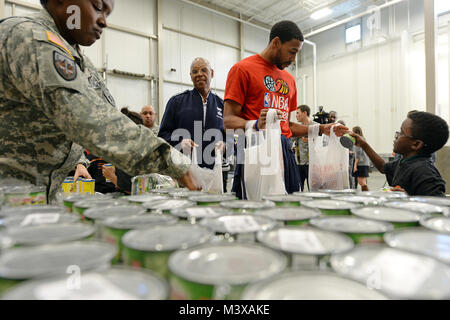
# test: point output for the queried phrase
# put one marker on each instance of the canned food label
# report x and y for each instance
(93, 287)
(244, 224)
(40, 218)
(200, 212)
(292, 239)
(406, 280)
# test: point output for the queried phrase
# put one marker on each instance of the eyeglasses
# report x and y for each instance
(398, 134)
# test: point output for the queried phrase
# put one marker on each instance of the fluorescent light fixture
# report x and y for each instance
(321, 13)
(353, 34)
(441, 6)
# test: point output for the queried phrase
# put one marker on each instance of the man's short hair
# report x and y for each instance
(44, 2)
(304, 108)
(286, 31)
(429, 128)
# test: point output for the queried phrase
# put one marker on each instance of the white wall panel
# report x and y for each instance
(135, 14)
(129, 92)
(224, 58)
(94, 52)
(255, 39)
(8, 10)
(127, 52)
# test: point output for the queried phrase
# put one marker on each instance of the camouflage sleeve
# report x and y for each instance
(78, 110)
(84, 161)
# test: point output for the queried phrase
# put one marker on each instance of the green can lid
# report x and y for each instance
(139, 221)
(238, 223)
(374, 201)
(166, 191)
(286, 198)
(38, 219)
(95, 203)
(399, 274)
(415, 206)
(305, 240)
(78, 197)
(26, 210)
(212, 198)
(387, 214)
(437, 223)
(288, 213)
(303, 285)
(227, 264)
(102, 213)
(145, 198)
(50, 260)
(186, 194)
(50, 233)
(314, 195)
(348, 224)
(201, 212)
(328, 204)
(168, 204)
(421, 241)
(245, 204)
(118, 283)
(167, 238)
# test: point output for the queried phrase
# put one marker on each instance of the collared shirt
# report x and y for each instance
(417, 175)
(205, 105)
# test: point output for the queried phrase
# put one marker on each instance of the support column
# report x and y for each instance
(2, 9)
(241, 40)
(430, 55)
(160, 106)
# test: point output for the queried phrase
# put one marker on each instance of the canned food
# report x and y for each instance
(194, 214)
(49, 233)
(34, 219)
(117, 283)
(367, 201)
(332, 207)
(390, 195)
(113, 229)
(362, 231)
(314, 195)
(89, 186)
(398, 217)
(70, 200)
(81, 206)
(185, 194)
(436, 223)
(397, 273)
(25, 263)
(339, 191)
(166, 191)
(150, 248)
(421, 241)
(289, 216)
(308, 248)
(287, 200)
(165, 206)
(347, 141)
(244, 206)
(26, 210)
(221, 271)
(309, 285)
(142, 198)
(102, 213)
(437, 201)
(211, 199)
(68, 186)
(24, 195)
(108, 165)
(239, 226)
(415, 206)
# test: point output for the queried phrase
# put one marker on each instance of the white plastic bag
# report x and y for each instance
(328, 166)
(263, 167)
(211, 180)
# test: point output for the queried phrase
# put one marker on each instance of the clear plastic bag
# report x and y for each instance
(211, 180)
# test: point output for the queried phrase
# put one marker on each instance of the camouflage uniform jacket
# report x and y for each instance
(53, 101)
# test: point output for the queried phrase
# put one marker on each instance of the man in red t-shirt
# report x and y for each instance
(259, 83)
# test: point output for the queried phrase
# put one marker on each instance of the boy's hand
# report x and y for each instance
(263, 117)
(397, 189)
(359, 140)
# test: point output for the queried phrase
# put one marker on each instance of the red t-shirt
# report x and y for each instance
(255, 84)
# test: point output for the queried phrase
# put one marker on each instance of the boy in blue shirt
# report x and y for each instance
(421, 134)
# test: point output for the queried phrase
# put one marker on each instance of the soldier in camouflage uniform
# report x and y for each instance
(53, 101)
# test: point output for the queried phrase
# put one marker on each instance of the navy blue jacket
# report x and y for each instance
(183, 110)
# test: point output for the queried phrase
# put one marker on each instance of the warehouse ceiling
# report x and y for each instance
(267, 12)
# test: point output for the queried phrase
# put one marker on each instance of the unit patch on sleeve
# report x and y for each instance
(65, 66)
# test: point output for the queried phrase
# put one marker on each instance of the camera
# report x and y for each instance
(321, 117)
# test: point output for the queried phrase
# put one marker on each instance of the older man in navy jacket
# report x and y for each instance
(195, 117)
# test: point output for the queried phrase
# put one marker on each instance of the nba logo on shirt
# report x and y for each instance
(266, 100)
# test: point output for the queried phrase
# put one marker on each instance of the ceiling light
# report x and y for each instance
(321, 13)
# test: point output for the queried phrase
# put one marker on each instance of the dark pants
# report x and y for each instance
(291, 174)
(304, 172)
